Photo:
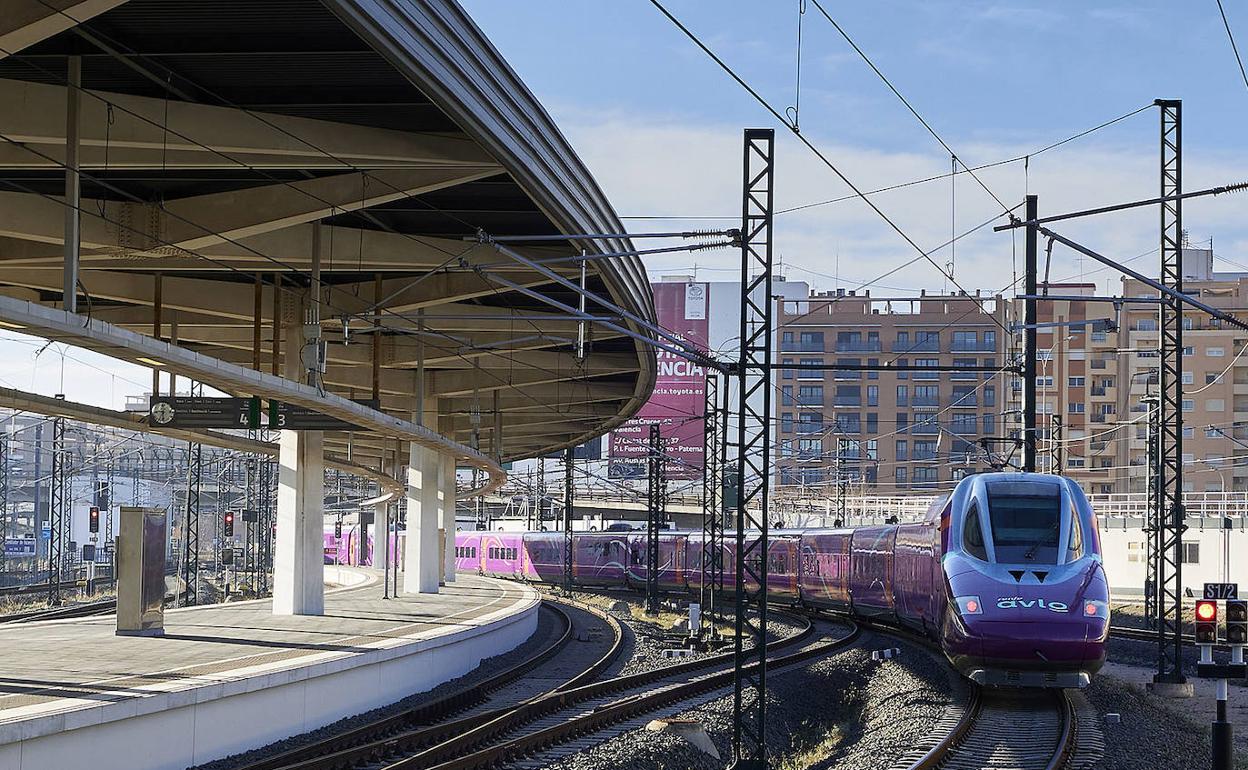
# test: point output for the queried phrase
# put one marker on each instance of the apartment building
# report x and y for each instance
(1097, 371)
(887, 431)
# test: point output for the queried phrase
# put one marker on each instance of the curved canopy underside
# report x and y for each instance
(224, 144)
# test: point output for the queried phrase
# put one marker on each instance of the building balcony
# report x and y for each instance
(926, 375)
(809, 427)
(964, 428)
(972, 347)
(800, 346)
(1098, 364)
(1240, 388)
(1098, 391)
(1098, 418)
(842, 401)
(965, 401)
(842, 375)
(964, 375)
(925, 401)
(925, 429)
(926, 346)
(872, 346)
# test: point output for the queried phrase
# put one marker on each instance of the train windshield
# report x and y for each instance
(1026, 519)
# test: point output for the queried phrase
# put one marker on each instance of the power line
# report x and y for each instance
(1234, 47)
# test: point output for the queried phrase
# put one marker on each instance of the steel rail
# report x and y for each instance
(390, 733)
(624, 708)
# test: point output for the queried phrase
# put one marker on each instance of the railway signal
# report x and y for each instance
(93, 520)
(228, 524)
(1206, 622)
(1237, 621)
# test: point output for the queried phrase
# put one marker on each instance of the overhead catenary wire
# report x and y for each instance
(1234, 48)
(810, 145)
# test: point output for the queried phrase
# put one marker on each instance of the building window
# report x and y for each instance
(873, 449)
(873, 423)
(932, 362)
(1210, 378)
(1215, 405)
(990, 340)
(809, 449)
(1075, 407)
(900, 475)
(925, 450)
(1191, 553)
(1146, 325)
(1188, 378)
(1076, 462)
(963, 340)
(811, 395)
(1044, 382)
(786, 395)
(989, 429)
(873, 362)
(1209, 432)
(1188, 350)
(990, 395)
(926, 395)
(846, 395)
(901, 395)
(903, 421)
(809, 422)
(902, 448)
(873, 395)
(902, 374)
(811, 342)
(925, 475)
(786, 423)
(964, 424)
(786, 373)
(1189, 405)
(1075, 382)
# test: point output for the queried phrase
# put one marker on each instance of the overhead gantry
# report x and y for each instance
(282, 198)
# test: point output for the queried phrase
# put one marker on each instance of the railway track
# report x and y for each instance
(585, 643)
(86, 609)
(1012, 730)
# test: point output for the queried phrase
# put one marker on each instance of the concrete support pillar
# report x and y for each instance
(423, 568)
(298, 557)
(299, 546)
(447, 495)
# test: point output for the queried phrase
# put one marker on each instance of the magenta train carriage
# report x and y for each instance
(1005, 574)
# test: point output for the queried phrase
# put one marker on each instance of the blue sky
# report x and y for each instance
(659, 123)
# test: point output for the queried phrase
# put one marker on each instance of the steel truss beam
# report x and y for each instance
(1170, 526)
(712, 565)
(58, 518)
(656, 515)
(1154, 506)
(568, 495)
(190, 524)
(4, 498)
(753, 445)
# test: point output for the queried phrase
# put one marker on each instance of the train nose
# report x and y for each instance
(1046, 652)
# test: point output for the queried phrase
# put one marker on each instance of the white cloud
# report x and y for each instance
(663, 166)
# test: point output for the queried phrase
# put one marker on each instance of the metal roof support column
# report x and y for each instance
(712, 525)
(57, 541)
(73, 184)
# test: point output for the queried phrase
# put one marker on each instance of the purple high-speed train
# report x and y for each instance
(1004, 574)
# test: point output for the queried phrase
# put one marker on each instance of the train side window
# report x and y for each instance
(1074, 548)
(973, 534)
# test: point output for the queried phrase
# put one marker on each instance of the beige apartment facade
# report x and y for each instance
(887, 432)
(1096, 382)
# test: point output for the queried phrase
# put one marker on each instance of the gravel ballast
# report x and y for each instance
(845, 711)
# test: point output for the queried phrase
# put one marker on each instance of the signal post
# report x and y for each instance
(1237, 638)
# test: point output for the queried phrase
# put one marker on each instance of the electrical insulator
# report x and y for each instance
(1206, 622)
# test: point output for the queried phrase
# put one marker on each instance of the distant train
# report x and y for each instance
(1004, 574)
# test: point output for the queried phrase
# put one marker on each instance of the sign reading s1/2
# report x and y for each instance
(1221, 590)
(240, 413)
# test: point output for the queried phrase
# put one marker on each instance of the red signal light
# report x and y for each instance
(1206, 611)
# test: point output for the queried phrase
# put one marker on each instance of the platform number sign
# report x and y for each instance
(1221, 591)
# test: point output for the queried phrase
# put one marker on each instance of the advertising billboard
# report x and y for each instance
(679, 397)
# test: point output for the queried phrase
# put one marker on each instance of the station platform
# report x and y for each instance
(232, 677)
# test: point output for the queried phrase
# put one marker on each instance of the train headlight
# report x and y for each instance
(970, 605)
(1095, 609)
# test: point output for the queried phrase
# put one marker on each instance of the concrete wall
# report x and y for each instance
(174, 730)
(1124, 552)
